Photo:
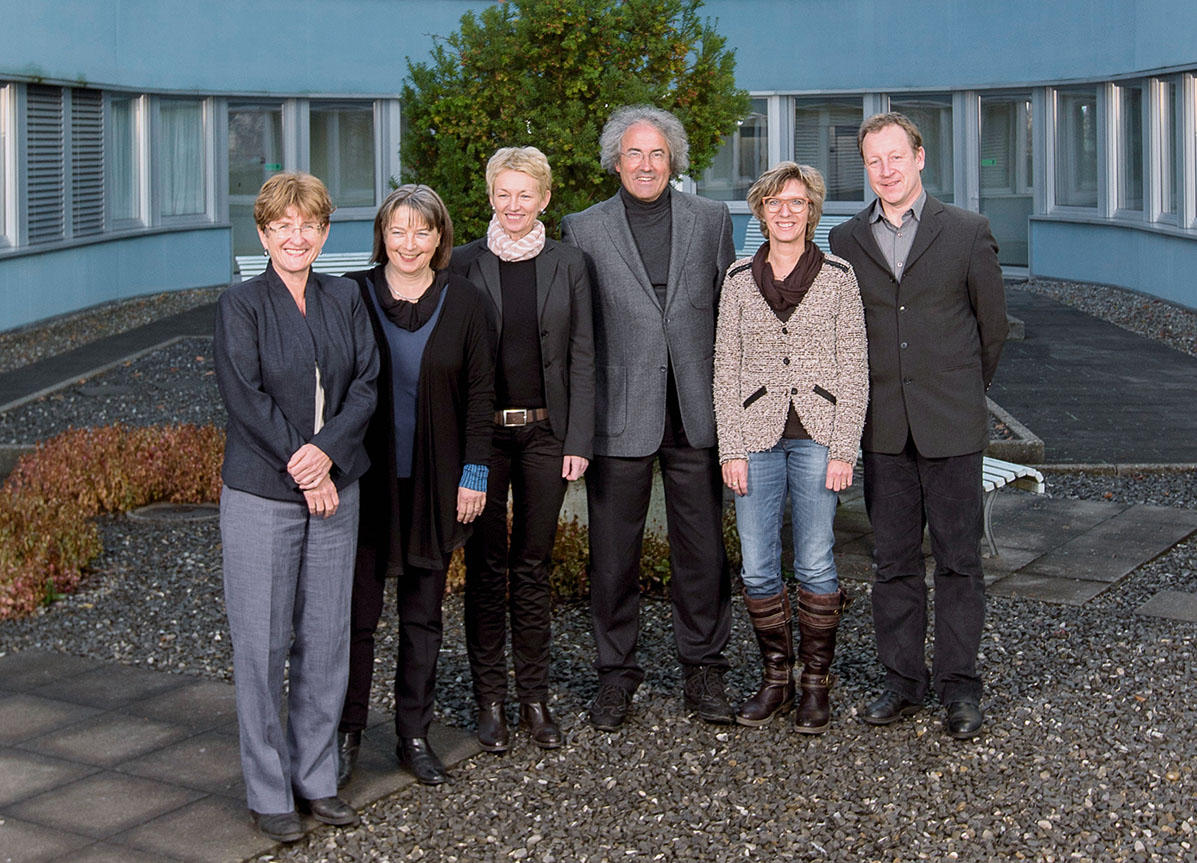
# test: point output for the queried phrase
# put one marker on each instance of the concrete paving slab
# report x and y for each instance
(1067, 591)
(111, 685)
(106, 739)
(1116, 546)
(1025, 521)
(24, 716)
(24, 842)
(199, 704)
(105, 852)
(32, 669)
(27, 774)
(104, 804)
(212, 830)
(1171, 604)
(207, 762)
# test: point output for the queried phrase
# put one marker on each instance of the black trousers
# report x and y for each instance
(419, 594)
(904, 493)
(503, 577)
(618, 491)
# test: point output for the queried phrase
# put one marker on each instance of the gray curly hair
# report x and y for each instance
(663, 121)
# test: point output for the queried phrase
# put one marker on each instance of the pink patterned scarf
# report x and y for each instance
(525, 248)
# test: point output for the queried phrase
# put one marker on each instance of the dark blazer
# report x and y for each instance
(635, 340)
(935, 338)
(455, 406)
(266, 353)
(566, 332)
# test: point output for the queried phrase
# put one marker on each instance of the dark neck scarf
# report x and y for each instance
(784, 295)
(401, 313)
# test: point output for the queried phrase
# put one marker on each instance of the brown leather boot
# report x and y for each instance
(818, 618)
(771, 621)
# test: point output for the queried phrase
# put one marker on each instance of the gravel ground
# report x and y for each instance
(29, 344)
(1088, 753)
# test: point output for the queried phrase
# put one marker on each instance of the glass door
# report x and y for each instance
(255, 153)
(1006, 174)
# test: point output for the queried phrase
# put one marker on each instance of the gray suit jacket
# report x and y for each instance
(563, 308)
(936, 337)
(635, 339)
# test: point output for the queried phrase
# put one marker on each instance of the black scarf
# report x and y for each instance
(410, 316)
(784, 295)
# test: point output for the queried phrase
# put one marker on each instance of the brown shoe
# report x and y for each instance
(540, 725)
(818, 619)
(492, 727)
(770, 618)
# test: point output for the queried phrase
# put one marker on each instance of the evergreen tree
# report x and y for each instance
(548, 73)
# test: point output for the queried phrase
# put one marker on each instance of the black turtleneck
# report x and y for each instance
(652, 229)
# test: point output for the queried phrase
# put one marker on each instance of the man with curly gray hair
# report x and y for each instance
(657, 257)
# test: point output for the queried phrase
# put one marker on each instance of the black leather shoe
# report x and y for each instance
(964, 720)
(889, 708)
(536, 720)
(284, 827)
(329, 810)
(704, 694)
(492, 727)
(610, 707)
(417, 756)
(349, 743)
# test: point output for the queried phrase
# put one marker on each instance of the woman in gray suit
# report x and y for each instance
(296, 363)
(543, 438)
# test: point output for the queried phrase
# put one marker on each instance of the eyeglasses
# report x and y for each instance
(796, 205)
(305, 231)
(635, 157)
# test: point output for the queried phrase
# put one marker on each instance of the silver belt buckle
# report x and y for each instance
(523, 417)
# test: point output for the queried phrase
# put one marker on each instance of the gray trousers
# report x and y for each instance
(288, 577)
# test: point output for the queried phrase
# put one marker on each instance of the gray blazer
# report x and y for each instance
(635, 339)
(563, 309)
(935, 338)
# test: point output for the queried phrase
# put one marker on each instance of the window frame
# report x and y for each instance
(1117, 165)
(9, 187)
(361, 211)
(154, 215)
(140, 162)
(1101, 204)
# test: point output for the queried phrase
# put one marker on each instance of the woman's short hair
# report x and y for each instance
(307, 194)
(423, 202)
(526, 160)
(667, 124)
(774, 180)
(879, 121)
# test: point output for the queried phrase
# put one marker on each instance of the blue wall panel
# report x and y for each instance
(41, 285)
(1148, 261)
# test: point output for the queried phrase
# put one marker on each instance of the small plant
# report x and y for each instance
(48, 503)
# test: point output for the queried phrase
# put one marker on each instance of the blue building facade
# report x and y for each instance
(134, 134)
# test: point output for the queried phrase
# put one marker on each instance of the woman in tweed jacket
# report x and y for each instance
(791, 385)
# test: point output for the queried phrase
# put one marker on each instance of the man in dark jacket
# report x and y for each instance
(935, 312)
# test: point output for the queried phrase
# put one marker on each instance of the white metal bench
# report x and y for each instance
(328, 262)
(753, 236)
(996, 474)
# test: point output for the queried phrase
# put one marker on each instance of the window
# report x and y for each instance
(87, 163)
(825, 137)
(1167, 155)
(933, 116)
(342, 151)
(180, 148)
(124, 158)
(743, 157)
(4, 169)
(45, 164)
(1130, 147)
(1076, 147)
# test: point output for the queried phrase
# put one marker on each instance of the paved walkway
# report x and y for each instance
(1094, 392)
(103, 762)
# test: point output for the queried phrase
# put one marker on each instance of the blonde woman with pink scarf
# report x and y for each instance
(539, 294)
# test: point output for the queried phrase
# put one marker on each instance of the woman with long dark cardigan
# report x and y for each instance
(428, 444)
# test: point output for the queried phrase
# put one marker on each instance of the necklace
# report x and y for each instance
(399, 295)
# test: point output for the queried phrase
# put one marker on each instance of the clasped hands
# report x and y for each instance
(309, 467)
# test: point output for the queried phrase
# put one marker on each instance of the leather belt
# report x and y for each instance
(520, 416)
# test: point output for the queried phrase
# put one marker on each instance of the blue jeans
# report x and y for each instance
(798, 467)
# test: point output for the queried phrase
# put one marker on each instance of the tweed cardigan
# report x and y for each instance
(817, 360)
